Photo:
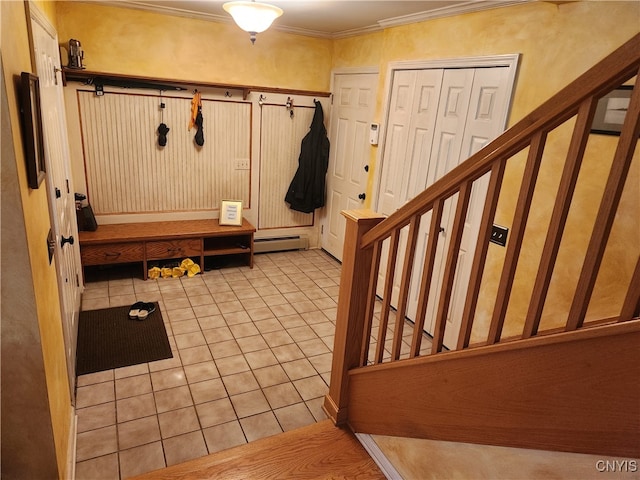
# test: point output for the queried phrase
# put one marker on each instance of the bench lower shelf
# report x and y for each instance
(156, 241)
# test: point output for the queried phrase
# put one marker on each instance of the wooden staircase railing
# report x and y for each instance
(363, 307)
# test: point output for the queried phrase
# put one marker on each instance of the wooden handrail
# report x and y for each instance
(367, 235)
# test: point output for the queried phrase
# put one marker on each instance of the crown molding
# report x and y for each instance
(163, 9)
(358, 31)
(468, 7)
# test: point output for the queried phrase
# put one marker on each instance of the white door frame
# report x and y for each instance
(508, 60)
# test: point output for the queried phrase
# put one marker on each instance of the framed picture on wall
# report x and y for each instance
(611, 111)
(32, 128)
(231, 212)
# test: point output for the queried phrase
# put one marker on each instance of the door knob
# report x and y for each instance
(69, 240)
(366, 168)
(362, 196)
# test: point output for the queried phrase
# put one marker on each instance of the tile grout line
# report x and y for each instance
(235, 336)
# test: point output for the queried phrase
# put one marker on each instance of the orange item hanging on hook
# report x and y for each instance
(196, 102)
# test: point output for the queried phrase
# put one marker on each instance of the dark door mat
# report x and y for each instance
(108, 338)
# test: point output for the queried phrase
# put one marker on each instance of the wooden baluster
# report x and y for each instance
(558, 220)
(450, 267)
(371, 302)
(532, 167)
(608, 207)
(407, 269)
(386, 296)
(631, 305)
(352, 301)
(480, 255)
(427, 275)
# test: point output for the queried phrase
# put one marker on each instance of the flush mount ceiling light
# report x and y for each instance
(252, 17)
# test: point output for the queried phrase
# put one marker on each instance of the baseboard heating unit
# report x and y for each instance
(280, 244)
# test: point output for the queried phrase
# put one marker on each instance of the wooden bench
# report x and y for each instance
(155, 241)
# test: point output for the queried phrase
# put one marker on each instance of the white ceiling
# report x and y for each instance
(325, 18)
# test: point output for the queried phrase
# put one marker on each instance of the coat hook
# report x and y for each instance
(261, 100)
(289, 106)
(228, 94)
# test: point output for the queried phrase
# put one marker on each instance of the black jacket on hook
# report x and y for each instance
(307, 189)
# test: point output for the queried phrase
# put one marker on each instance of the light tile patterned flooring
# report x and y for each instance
(251, 358)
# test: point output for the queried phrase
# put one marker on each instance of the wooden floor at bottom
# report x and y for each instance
(317, 451)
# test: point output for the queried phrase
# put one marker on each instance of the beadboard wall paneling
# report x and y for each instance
(282, 135)
(128, 172)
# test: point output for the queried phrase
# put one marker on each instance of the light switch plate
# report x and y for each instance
(499, 235)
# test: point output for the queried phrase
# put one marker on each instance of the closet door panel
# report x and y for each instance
(487, 107)
(397, 134)
(449, 127)
(412, 118)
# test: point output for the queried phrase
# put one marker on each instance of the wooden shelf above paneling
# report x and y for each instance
(89, 77)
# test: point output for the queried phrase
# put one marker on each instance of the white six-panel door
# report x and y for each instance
(351, 116)
(59, 184)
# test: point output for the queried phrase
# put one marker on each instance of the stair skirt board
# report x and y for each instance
(280, 244)
(548, 393)
(378, 456)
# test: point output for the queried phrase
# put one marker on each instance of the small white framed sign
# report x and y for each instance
(231, 212)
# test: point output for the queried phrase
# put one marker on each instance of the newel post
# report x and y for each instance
(352, 300)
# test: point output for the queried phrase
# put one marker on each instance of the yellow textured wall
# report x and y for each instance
(119, 40)
(557, 43)
(16, 58)
(48, 8)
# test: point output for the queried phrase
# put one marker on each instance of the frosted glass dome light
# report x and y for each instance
(253, 17)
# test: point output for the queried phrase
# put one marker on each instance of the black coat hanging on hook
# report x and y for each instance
(307, 189)
(196, 118)
(199, 138)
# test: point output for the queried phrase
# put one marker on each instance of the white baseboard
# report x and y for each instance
(381, 460)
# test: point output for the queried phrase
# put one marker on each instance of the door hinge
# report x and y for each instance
(77, 281)
(321, 229)
(68, 190)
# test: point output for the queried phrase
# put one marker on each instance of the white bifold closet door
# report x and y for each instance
(437, 119)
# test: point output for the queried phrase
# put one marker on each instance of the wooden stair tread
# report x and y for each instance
(321, 450)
